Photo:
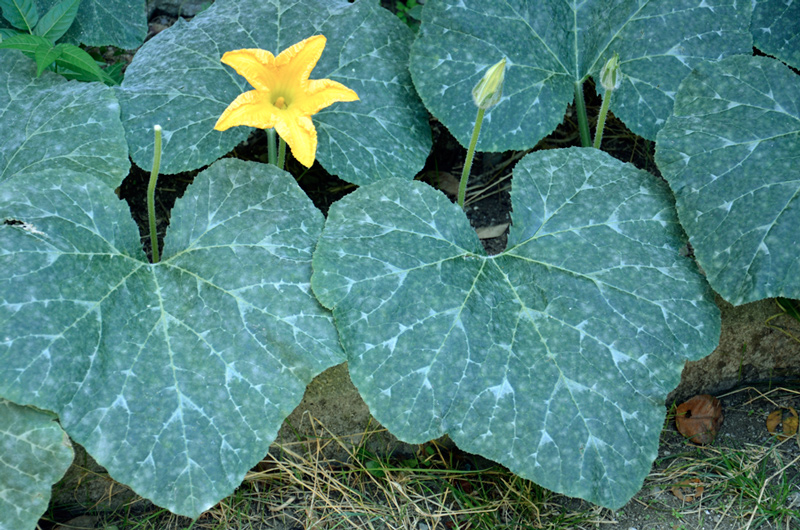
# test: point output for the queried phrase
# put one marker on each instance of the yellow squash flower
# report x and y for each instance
(284, 96)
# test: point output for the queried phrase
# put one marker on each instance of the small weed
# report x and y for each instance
(409, 11)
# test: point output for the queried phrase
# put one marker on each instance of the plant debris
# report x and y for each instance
(699, 419)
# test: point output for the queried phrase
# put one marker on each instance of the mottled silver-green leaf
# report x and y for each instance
(730, 153)
(49, 122)
(776, 29)
(175, 376)
(177, 81)
(34, 454)
(552, 44)
(120, 23)
(554, 357)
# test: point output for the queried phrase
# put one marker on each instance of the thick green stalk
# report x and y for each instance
(151, 192)
(272, 156)
(583, 119)
(601, 119)
(281, 153)
(462, 186)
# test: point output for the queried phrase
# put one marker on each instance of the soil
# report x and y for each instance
(743, 439)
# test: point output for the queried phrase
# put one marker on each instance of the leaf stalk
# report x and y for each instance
(583, 119)
(151, 191)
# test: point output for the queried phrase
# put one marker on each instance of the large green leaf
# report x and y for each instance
(553, 44)
(776, 29)
(35, 454)
(553, 358)
(120, 23)
(730, 153)
(49, 122)
(178, 81)
(174, 376)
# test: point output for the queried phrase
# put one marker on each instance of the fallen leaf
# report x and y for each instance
(488, 232)
(687, 492)
(787, 418)
(442, 180)
(699, 418)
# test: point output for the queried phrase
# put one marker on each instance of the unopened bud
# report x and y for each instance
(488, 91)
(610, 76)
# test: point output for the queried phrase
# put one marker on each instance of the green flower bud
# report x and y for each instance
(610, 76)
(488, 91)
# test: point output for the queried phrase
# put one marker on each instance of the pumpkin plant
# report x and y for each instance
(553, 357)
(176, 375)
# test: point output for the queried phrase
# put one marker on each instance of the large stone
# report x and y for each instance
(754, 347)
(332, 409)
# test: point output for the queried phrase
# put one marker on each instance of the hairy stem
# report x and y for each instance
(601, 119)
(151, 192)
(281, 153)
(462, 185)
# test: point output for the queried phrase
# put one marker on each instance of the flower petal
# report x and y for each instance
(257, 66)
(296, 62)
(253, 109)
(321, 93)
(299, 133)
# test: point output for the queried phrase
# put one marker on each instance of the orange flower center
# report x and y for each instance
(280, 102)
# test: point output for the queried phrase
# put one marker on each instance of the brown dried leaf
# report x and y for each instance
(687, 491)
(442, 180)
(699, 419)
(787, 418)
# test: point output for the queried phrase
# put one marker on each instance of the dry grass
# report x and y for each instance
(745, 486)
(437, 489)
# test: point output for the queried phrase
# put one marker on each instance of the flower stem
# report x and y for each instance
(601, 119)
(271, 153)
(281, 153)
(583, 120)
(151, 192)
(462, 185)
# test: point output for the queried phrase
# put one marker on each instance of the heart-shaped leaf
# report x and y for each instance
(178, 81)
(50, 123)
(730, 154)
(175, 376)
(776, 30)
(554, 357)
(35, 454)
(551, 45)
